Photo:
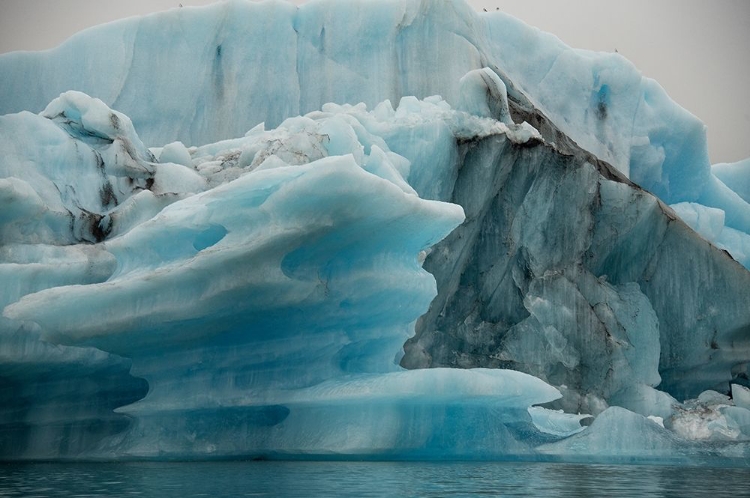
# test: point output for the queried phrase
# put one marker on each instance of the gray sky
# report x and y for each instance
(696, 49)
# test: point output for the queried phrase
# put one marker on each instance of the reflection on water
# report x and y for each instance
(433, 479)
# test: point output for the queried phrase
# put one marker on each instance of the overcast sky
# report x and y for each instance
(696, 49)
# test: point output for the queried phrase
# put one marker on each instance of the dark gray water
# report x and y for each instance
(361, 479)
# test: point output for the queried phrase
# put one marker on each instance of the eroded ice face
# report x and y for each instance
(268, 281)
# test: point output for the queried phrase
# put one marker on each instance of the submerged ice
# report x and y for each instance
(326, 259)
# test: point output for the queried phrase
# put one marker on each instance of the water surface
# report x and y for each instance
(363, 479)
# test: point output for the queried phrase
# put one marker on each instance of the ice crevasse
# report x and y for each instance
(178, 286)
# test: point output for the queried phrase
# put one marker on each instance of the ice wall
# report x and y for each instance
(558, 252)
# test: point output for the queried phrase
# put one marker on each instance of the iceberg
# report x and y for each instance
(399, 230)
(305, 239)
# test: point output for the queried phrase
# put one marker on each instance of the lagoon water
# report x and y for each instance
(362, 479)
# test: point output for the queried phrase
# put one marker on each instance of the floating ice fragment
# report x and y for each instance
(556, 422)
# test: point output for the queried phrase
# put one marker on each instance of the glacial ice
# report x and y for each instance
(241, 269)
(736, 176)
(304, 238)
(203, 86)
(741, 396)
(710, 223)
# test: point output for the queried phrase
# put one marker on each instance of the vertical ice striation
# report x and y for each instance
(555, 273)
